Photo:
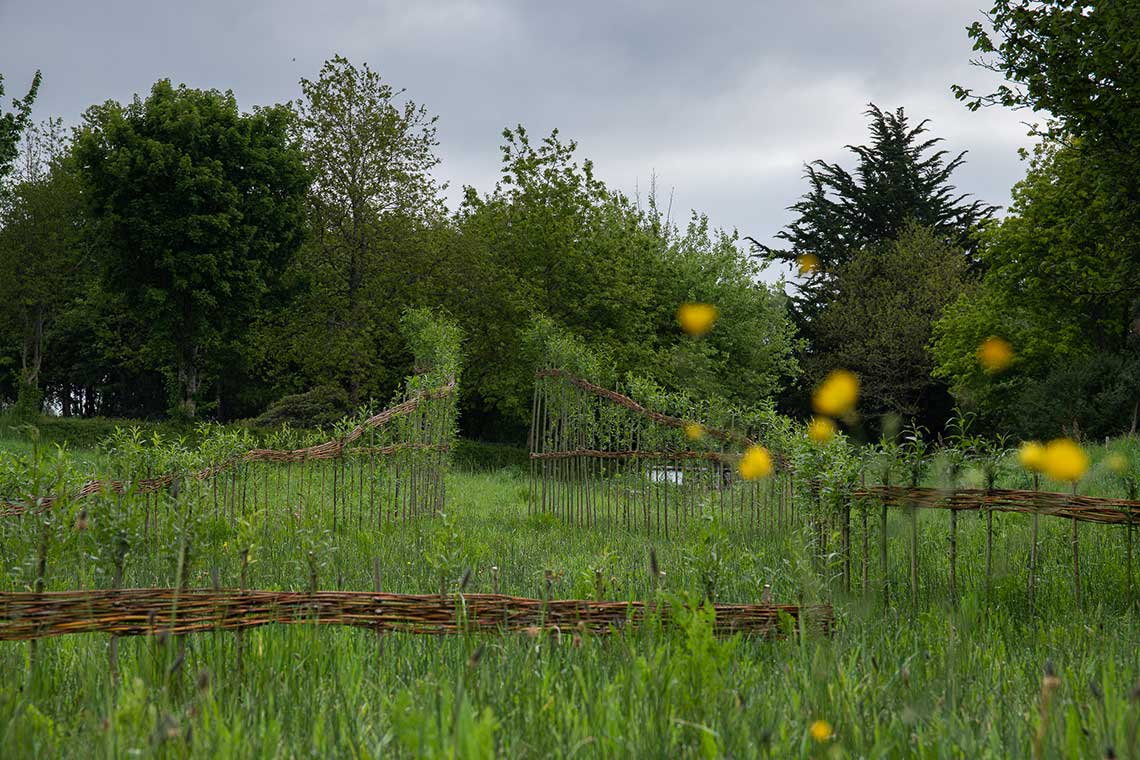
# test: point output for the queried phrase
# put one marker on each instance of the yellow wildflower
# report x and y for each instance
(1032, 456)
(697, 318)
(1065, 460)
(820, 730)
(694, 431)
(756, 463)
(807, 263)
(1117, 462)
(995, 354)
(837, 394)
(821, 429)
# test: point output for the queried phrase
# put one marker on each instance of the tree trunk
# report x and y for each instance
(187, 382)
(31, 353)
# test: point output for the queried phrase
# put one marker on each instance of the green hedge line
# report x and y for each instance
(79, 433)
(483, 456)
(87, 432)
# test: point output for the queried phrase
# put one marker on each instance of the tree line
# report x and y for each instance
(178, 256)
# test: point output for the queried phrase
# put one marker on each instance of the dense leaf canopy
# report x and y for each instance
(198, 208)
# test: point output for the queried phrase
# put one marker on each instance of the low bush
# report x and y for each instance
(320, 407)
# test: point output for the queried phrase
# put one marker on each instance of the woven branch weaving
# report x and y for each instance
(1092, 509)
(332, 449)
(135, 612)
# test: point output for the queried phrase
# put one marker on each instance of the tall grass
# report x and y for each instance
(959, 678)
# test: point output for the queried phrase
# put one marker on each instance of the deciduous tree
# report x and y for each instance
(13, 124)
(879, 323)
(41, 250)
(199, 208)
(371, 205)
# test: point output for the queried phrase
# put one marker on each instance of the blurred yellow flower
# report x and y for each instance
(821, 429)
(820, 730)
(837, 394)
(1032, 456)
(694, 431)
(1117, 462)
(756, 463)
(1065, 460)
(808, 263)
(696, 318)
(995, 354)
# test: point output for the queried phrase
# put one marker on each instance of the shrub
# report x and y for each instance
(320, 407)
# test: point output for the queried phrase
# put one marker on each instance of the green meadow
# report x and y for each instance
(982, 675)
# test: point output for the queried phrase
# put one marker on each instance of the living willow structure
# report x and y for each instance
(629, 456)
(634, 457)
(381, 466)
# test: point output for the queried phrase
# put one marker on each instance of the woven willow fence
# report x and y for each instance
(388, 466)
(134, 612)
(598, 457)
(1074, 508)
(1092, 509)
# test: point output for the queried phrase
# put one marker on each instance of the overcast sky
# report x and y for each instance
(725, 101)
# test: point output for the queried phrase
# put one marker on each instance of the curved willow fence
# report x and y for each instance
(384, 467)
(598, 457)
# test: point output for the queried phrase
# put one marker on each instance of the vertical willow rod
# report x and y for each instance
(372, 512)
(989, 536)
(1033, 551)
(1128, 533)
(953, 555)
(1076, 556)
(531, 446)
(883, 543)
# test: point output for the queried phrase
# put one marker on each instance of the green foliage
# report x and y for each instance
(552, 242)
(85, 432)
(1096, 397)
(13, 124)
(29, 403)
(749, 355)
(192, 212)
(1064, 253)
(888, 685)
(435, 341)
(547, 346)
(1080, 63)
(43, 257)
(372, 211)
(199, 209)
(900, 178)
(1060, 286)
(320, 407)
(1064, 267)
(847, 221)
(879, 322)
(484, 456)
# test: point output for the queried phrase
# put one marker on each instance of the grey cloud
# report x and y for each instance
(724, 101)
